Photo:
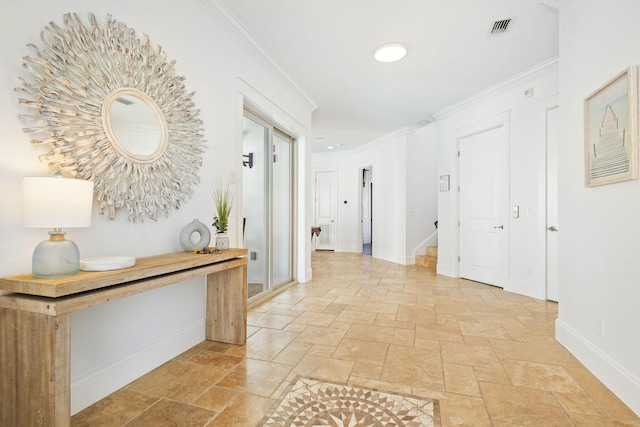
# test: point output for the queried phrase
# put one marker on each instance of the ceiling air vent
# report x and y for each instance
(500, 27)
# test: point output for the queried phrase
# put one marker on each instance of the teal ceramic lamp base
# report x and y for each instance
(56, 257)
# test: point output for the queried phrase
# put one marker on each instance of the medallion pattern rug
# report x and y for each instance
(311, 402)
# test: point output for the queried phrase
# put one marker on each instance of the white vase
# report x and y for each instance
(222, 242)
(194, 226)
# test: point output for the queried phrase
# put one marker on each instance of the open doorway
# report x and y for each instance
(366, 203)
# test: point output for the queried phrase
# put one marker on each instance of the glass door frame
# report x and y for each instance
(274, 131)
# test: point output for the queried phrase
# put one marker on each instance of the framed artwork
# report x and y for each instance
(611, 130)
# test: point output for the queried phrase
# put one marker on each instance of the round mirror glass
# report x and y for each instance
(135, 125)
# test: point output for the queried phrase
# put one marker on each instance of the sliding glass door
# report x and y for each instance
(281, 221)
(254, 204)
(267, 204)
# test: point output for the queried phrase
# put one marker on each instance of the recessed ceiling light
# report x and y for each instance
(390, 52)
(330, 147)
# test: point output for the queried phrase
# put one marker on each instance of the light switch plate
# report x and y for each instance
(444, 182)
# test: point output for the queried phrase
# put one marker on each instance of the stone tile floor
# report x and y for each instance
(489, 356)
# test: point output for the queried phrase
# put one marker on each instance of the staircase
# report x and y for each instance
(430, 260)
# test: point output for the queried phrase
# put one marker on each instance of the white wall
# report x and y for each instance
(599, 228)
(367, 208)
(393, 167)
(304, 211)
(114, 343)
(422, 189)
(526, 173)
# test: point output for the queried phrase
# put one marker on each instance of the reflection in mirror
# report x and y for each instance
(135, 125)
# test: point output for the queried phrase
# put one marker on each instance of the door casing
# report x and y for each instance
(551, 122)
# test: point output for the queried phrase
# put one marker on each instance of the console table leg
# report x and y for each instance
(227, 306)
(35, 369)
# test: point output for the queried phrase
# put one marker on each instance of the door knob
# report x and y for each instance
(501, 227)
(552, 228)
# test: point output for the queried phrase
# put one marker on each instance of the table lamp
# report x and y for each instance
(56, 202)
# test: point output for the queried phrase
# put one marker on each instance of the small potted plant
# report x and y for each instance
(223, 202)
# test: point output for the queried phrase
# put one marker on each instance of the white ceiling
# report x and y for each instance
(327, 46)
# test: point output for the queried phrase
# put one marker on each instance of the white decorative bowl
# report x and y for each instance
(105, 263)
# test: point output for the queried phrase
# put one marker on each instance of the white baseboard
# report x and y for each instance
(615, 377)
(445, 270)
(101, 382)
(308, 276)
(409, 260)
(349, 248)
(527, 288)
(397, 259)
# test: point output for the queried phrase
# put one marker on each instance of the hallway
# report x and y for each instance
(487, 355)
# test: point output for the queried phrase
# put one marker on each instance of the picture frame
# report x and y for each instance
(611, 130)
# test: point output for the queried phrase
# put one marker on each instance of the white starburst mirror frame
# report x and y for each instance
(114, 112)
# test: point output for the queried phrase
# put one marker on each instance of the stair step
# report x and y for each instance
(427, 261)
(430, 260)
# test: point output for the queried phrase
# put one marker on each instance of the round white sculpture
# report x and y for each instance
(187, 232)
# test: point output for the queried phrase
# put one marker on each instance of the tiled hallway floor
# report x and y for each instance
(489, 356)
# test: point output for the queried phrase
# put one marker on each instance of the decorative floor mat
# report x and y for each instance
(310, 402)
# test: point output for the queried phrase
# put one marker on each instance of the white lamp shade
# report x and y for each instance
(56, 202)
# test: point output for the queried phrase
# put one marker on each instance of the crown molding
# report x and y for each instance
(220, 13)
(556, 4)
(510, 83)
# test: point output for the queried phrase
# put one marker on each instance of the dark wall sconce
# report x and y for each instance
(247, 160)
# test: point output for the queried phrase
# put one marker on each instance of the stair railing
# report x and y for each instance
(431, 240)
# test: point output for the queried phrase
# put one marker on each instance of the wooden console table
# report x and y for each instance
(35, 324)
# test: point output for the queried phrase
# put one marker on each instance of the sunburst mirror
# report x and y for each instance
(113, 111)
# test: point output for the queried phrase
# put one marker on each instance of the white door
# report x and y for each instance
(326, 210)
(484, 206)
(552, 202)
(365, 196)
